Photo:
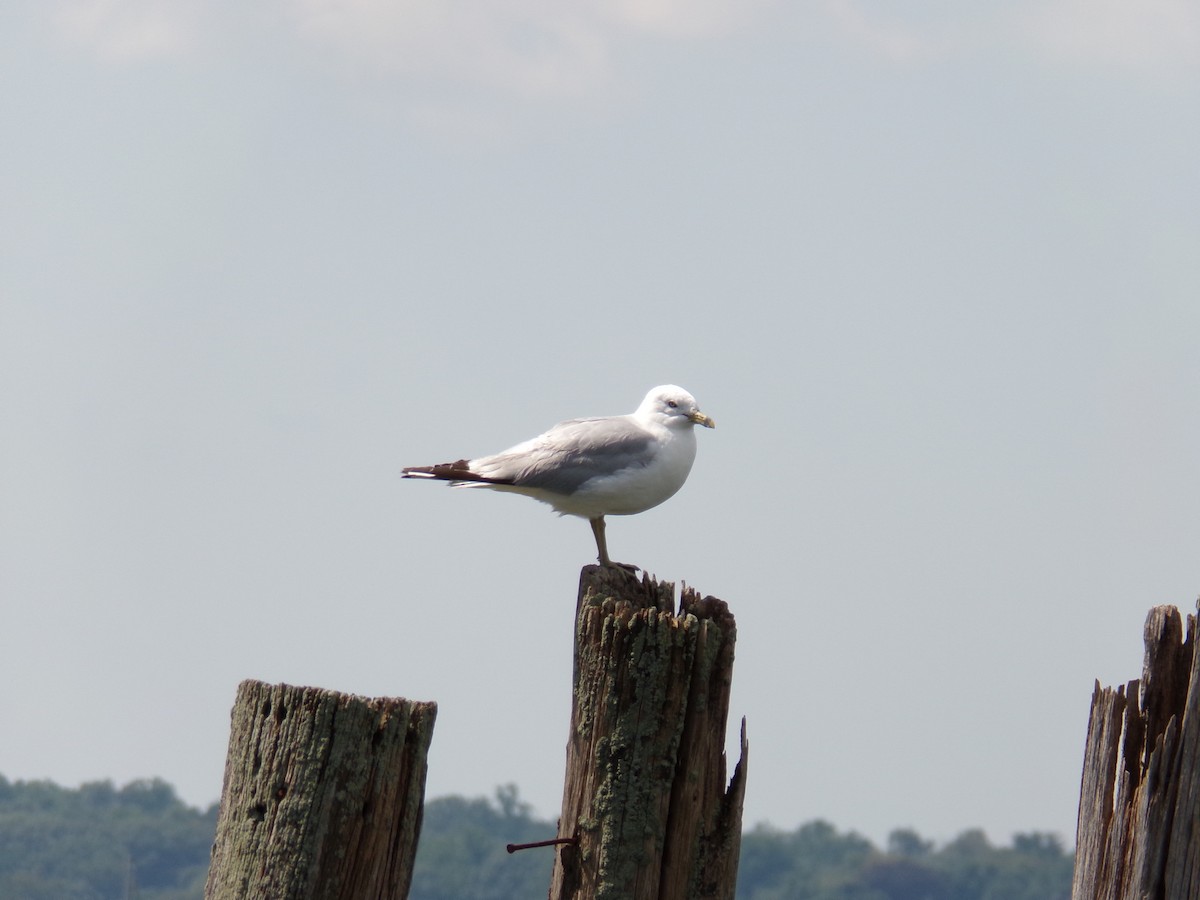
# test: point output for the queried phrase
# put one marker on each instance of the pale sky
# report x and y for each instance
(935, 272)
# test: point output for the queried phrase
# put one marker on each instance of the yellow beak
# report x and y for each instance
(701, 419)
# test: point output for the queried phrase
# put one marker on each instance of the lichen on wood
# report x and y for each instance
(1139, 807)
(645, 793)
(323, 795)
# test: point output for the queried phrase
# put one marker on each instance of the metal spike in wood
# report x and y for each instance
(645, 794)
(1139, 802)
(323, 795)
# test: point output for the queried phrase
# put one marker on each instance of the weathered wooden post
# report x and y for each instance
(646, 808)
(1138, 836)
(322, 798)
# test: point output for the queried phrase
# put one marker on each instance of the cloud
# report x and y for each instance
(1154, 37)
(678, 18)
(460, 68)
(504, 47)
(894, 39)
(128, 31)
(1149, 38)
(539, 49)
(527, 48)
(469, 70)
(530, 47)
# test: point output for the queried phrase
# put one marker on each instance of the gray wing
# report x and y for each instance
(572, 453)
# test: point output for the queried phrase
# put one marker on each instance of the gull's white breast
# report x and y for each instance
(634, 489)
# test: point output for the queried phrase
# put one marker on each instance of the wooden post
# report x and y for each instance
(323, 795)
(645, 799)
(1139, 801)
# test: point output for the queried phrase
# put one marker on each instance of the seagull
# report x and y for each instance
(592, 468)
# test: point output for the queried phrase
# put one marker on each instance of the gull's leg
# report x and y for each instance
(601, 543)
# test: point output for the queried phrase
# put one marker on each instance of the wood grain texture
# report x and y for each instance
(323, 795)
(1138, 832)
(645, 791)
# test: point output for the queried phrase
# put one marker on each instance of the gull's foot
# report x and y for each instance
(625, 567)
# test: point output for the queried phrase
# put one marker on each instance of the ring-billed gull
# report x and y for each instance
(592, 468)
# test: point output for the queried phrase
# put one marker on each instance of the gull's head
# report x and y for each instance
(674, 407)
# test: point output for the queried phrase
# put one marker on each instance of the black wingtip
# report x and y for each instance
(456, 471)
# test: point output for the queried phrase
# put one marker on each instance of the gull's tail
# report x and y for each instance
(455, 473)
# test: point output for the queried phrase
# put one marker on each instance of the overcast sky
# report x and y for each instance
(934, 271)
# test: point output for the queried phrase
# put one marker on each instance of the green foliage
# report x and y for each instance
(462, 853)
(100, 842)
(103, 843)
(813, 862)
(462, 857)
(816, 863)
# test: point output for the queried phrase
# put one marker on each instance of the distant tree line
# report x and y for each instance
(141, 842)
(99, 842)
(815, 862)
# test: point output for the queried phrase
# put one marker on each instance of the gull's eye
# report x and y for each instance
(672, 404)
